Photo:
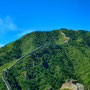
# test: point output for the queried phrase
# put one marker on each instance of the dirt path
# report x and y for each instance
(68, 38)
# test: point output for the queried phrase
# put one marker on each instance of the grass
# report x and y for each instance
(5, 66)
(61, 39)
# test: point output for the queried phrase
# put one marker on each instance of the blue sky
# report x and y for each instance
(19, 17)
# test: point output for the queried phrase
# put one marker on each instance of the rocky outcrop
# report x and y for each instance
(72, 85)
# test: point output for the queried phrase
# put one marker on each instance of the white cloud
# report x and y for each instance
(7, 24)
(24, 32)
(1, 45)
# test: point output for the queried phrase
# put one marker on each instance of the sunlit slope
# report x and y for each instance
(28, 43)
(49, 67)
(10, 53)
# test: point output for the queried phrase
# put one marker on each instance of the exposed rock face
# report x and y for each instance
(72, 85)
(80, 86)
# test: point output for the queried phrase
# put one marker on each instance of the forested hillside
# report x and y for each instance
(49, 67)
(10, 53)
(28, 43)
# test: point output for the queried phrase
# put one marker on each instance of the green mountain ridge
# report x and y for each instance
(49, 67)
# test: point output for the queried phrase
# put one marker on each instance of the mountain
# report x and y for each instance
(66, 56)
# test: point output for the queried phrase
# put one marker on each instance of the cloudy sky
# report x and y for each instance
(19, 17)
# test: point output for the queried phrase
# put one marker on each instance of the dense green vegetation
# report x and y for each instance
(13, 51)
(49, 67)
(28, 43)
